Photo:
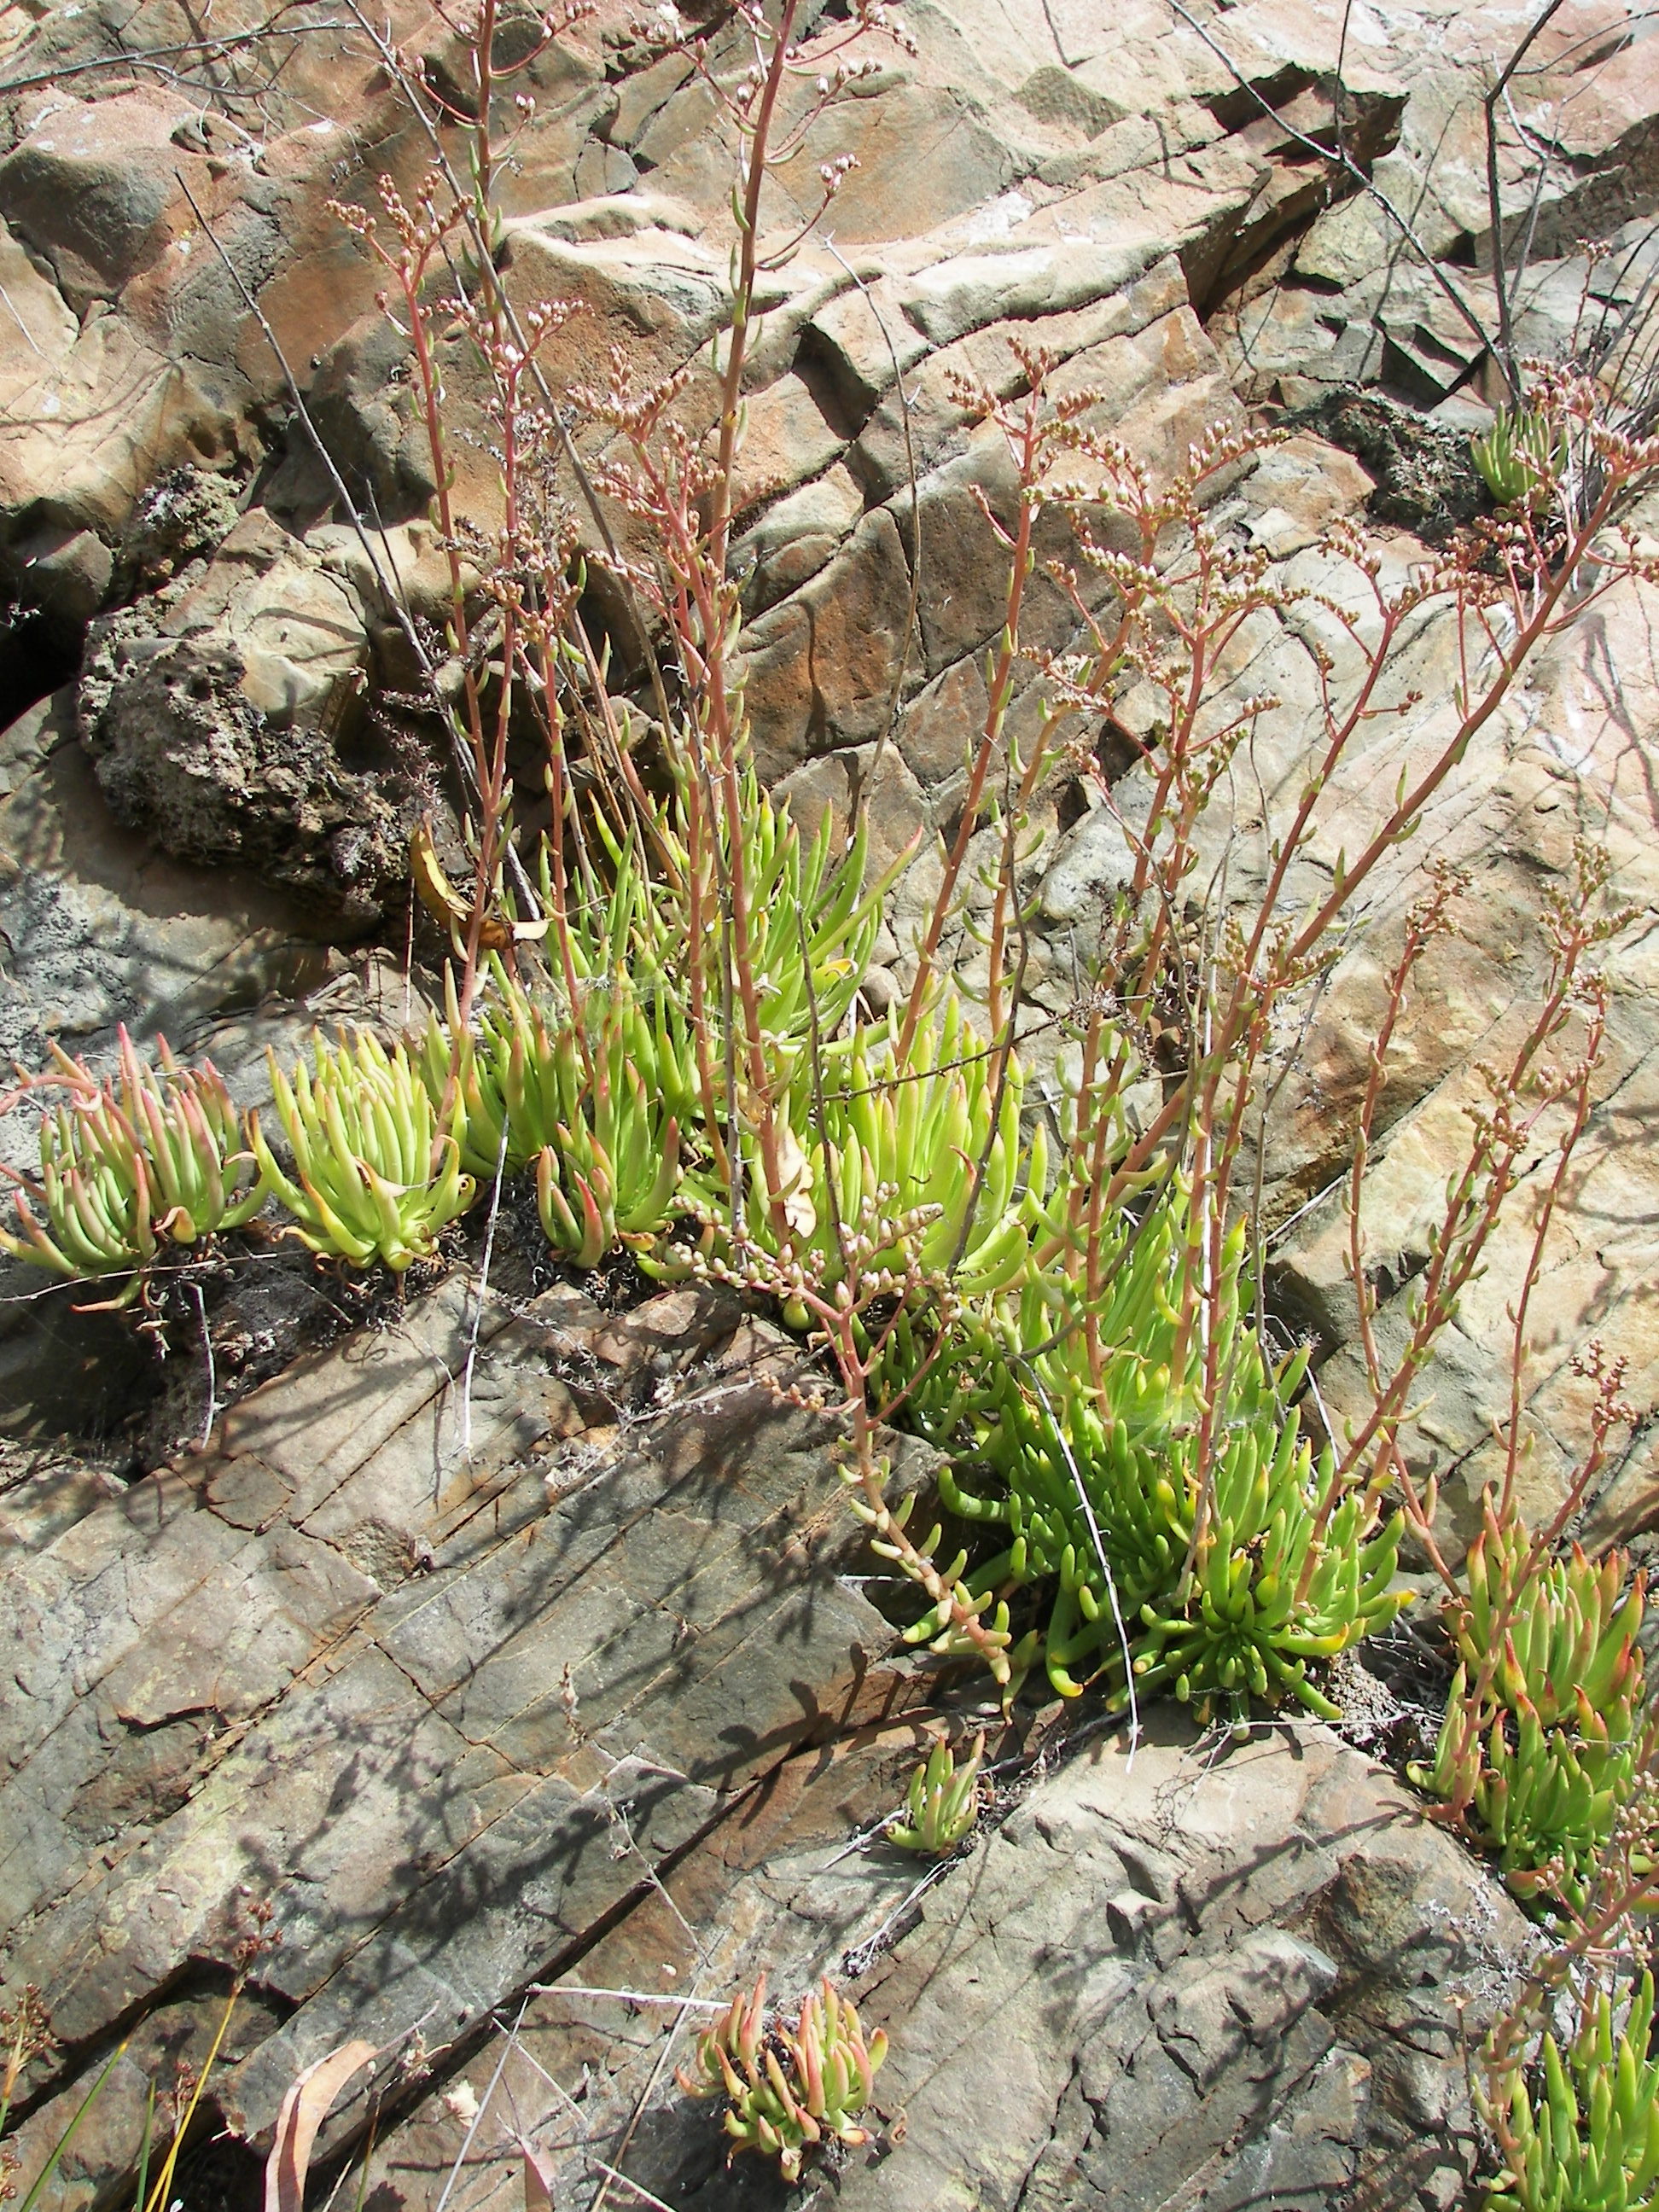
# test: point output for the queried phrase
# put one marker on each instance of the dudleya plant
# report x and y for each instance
(374, 1175)
(815, 919)
(127, 1166)
(1520, 457)
(1220, 1590)
(611, 1172)
(1586, 2138)
(1541, 1738)
(588, 1100)
(922, 1144)
(788, 2089)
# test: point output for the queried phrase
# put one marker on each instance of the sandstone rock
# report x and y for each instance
(1297, 491)
(654, 280)
(40, 323)
(864, 334)
(1204, 2007)
(91, 186)
(1509, 817)
(787, 437)
(930, 149)
(45, 1492)
(1357, 305)
(1604, 80)
(795, 538)
(1053, 94)
(362, 401)
(822, 665)
(264, 89)
(955, 297)
(651, 295)
(66, 574)
(942, 723)
(617, 215)
(773, 1883)
(1116, 345)
(1095, 859)
(870, 784)
(93, 416)
(1350, 243)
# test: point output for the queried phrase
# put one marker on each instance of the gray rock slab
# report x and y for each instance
(101, 929)
(1170, 1982)
(444, 1757)
(1181, 1980)
(966, 293)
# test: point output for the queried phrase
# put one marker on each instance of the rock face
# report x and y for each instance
(1169, 1979)
(100, 928)
(1158, 1981)
(596, 1691)
(1227, 1986)
(1348, 299)
(399, 1672)
(226, 717)
(456, 1704)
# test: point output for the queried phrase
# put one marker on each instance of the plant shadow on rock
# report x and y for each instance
(260, 1307)
(71, 1373)
(70, 1376)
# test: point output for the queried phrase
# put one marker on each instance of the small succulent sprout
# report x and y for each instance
(787, 2090)
(1520, 458)
(942, 1803)
(130, 1165)
(374, 1178)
